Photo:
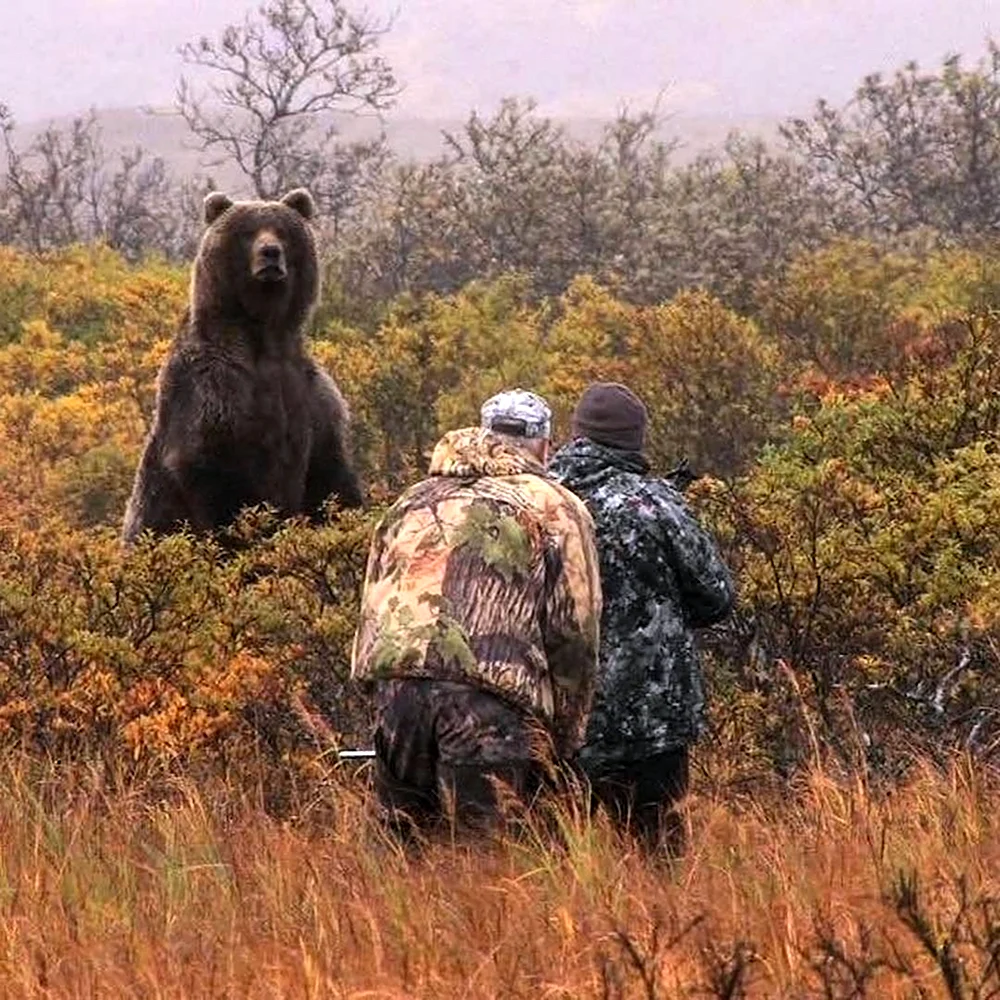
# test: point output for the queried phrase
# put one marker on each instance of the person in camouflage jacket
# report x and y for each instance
(662, 577)
(479, 621)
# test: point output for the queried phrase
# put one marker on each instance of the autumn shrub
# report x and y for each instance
(865, 545)
(836, 306)
(178, 651)
(857, 501)
(428, 367)
(85, 292)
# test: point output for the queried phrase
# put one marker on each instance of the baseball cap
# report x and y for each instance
(518, 413)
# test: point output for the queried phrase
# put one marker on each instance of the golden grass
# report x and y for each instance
(190, 890)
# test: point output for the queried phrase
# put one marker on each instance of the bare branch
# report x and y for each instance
(279, 77)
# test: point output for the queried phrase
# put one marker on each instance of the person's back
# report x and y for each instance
(662, 577)
(479, 626)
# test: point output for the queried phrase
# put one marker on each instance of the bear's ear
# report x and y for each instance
(215, 204)
(301, 200)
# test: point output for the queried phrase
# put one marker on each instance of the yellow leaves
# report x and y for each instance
(38, 336)
(165, 727)
(69, 425)
(84, 292)
(859, 502)
(711, 380)
(244, 677)
(832, 307)
(982, 615)
(42, 361)
(164, 652)
(158, 718)
(85, 334)
(14, 713)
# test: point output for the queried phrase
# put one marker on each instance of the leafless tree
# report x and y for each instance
(276, 81)
(63, 188)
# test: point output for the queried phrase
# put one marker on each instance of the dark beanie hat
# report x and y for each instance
(611, 415)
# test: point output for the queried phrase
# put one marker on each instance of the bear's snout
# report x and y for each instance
(267, 259)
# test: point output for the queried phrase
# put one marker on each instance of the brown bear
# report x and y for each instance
(243, 415)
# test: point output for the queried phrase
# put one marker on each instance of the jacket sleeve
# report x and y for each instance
(366, 624)
(705, 582)
(572, 619)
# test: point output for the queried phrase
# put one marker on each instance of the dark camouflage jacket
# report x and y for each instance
(662, 577)
(486, 572)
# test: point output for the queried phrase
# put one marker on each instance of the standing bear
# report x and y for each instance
(243, 414)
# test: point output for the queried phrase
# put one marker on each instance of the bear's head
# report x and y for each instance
(257, 262)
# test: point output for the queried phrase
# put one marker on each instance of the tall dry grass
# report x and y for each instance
(176, 888)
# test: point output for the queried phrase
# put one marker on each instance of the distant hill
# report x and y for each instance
(163, 133)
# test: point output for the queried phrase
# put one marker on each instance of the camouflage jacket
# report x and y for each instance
(486, 572)
(662, 577)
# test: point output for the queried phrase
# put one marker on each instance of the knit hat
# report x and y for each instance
(518, 413)
(610, 414)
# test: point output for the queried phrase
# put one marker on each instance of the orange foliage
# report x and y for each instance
(852, 477)
(184, 890)
(857, 500)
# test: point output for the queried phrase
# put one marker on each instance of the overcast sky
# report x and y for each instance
(577, 57)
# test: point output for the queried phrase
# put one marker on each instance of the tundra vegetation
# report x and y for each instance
(823, 345)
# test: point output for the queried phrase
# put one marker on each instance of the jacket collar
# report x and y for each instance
(584, 453)
(475, 451)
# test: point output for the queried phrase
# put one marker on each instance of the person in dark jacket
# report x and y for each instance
(662, 577)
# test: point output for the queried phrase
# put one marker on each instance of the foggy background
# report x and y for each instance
(718, 64)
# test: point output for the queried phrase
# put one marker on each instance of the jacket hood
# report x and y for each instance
(472, 452)
(585, 461)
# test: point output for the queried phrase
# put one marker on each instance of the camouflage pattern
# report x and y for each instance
(454, 752)
(486, 573)
(662, 577)
(526, 411)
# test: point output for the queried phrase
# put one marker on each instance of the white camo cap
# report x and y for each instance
(519, 413)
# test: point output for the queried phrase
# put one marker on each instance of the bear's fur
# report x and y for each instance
(243, 414)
